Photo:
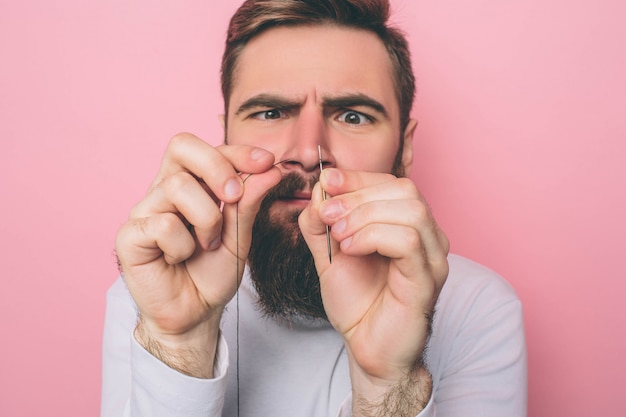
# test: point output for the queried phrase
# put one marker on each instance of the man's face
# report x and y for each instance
(300, 87)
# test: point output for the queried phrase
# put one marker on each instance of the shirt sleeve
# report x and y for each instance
(135, 383)
(486, 374)
(479, 368)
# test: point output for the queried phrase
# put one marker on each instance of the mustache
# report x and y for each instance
(291, 184)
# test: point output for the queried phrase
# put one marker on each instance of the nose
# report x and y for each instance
(308, 131)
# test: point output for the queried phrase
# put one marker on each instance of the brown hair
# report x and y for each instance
(255, 16)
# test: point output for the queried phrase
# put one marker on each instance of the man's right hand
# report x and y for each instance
(178, 249)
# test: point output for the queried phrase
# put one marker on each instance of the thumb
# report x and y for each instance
(316, 233)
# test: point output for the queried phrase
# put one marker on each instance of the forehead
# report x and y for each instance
(319, 60)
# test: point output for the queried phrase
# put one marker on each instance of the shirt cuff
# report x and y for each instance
(160, 391)
(345, 409)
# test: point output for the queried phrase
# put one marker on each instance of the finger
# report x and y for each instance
(217, 167)
(314, 232)
(379, 188)
(336, 181)
(420, 268)
(182, 193)
(218, 281)
(141, 241)
(398, 229)
(337, 207)
(355, 188)
(413, 214)
(239, 217)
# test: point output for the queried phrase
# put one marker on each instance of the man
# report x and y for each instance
(308, 330)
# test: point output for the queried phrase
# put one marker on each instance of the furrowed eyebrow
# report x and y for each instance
(268, 101)
(353, 100)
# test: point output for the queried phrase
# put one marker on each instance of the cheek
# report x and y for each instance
(371, 157)
(265, 138)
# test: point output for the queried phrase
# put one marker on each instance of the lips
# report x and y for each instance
(299, 198)
(302, 195)
(293, 189)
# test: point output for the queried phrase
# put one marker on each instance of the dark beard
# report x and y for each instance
(281, 265)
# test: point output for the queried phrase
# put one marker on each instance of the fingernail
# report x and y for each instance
(333, 209)
(332, 177)
(258, 153)
(340, 226)
(232, 188)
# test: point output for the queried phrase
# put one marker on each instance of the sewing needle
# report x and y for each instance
(330, 257)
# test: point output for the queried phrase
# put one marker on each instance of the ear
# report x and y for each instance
(407, 150)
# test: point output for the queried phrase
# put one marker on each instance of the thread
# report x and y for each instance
(237, 287)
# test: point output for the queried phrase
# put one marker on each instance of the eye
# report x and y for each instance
(352, 117)
(272, 114)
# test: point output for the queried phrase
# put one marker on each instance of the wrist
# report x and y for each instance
(191, 353)
(406, 396)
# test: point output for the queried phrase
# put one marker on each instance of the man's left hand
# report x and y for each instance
(389, 264)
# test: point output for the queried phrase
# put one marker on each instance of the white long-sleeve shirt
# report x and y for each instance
(476, 355)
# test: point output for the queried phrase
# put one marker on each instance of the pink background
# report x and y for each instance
(521, 150)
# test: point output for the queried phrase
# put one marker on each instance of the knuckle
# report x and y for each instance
(419, 213)
(178, 145)
(179, 181)
(167, 223)
(366, 213)
(180, 139)
(411, 239)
